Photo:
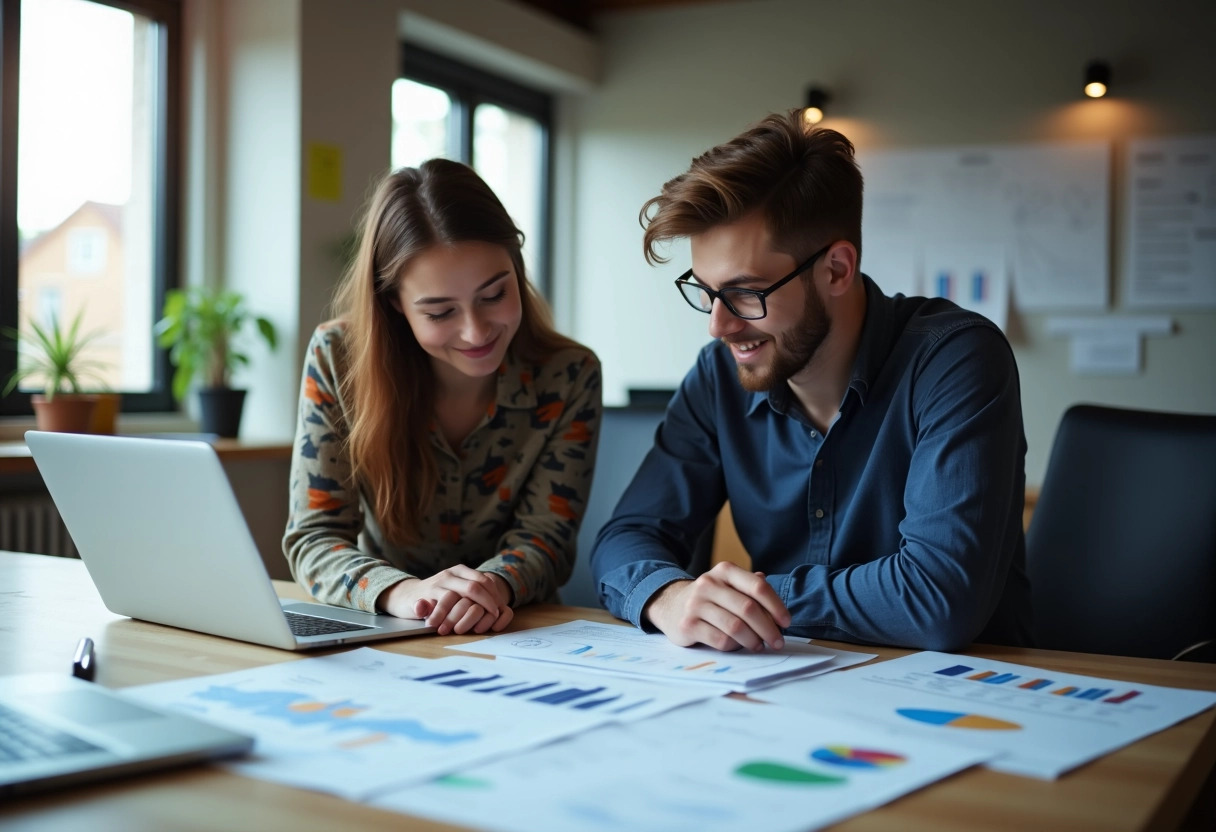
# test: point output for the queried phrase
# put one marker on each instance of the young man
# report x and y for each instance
(871, 447)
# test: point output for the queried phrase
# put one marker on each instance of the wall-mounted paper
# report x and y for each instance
(1048, 204)
(325, 172)
(1171, 222)
(892, 265)
(973, 276)
(1108, 346)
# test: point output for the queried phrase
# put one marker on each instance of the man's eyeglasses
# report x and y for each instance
(742, 303)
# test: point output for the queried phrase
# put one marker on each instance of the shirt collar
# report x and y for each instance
(878, 334)
(516, 383)
(877, 337)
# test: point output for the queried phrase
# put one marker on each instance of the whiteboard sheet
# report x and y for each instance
(1171, 222)
(1047, 205)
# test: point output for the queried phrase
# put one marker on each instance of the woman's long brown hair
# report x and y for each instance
(388, 381)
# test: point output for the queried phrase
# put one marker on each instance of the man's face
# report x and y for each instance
(771, 350)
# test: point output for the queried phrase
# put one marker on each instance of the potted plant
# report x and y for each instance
(201, 327)
(54, 359)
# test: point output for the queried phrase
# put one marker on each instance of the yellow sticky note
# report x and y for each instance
(325, 172)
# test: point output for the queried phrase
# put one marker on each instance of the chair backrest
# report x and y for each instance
(1121, 551)
(626, 434)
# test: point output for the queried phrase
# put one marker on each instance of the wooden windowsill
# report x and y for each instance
(15, 456)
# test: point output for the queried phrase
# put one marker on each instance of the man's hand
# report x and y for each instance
(727, 608)
(457, 600)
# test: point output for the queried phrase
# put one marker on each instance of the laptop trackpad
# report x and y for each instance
(88, 708)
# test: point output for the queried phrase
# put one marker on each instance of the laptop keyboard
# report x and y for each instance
(311, 625)
(23, 737)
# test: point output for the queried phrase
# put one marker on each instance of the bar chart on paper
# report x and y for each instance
(625, 650)
(1041, 724)
(343, 723)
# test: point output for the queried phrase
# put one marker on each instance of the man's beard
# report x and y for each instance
(793, 350)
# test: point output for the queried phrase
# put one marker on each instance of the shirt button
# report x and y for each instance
(814, 434)
(819, 463)
(819, 513)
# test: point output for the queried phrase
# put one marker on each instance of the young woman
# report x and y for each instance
(447, 433)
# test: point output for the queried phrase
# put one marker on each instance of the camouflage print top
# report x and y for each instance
(509, 500)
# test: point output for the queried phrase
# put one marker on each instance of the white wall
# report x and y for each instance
(636, 102)
(680, 79)
(266, 81)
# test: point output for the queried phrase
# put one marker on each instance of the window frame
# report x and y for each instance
(166, 177)
(468, 87)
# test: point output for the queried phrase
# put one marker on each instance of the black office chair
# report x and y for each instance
(1121, 549)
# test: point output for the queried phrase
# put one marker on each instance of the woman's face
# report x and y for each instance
(462, 302)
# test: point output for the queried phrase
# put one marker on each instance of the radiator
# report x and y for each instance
(31, 523)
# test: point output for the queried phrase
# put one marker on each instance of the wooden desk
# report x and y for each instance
(47, 604)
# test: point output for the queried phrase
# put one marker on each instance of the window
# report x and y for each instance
(88, 181)
(443, 108)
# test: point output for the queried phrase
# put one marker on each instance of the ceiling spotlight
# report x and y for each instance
(816, 100)
(1097, 79)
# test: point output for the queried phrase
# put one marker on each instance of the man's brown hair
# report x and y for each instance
(804, 179)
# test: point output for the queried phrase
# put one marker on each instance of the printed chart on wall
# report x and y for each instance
(1171, 222)
(364, 721)
(1040, 723)
(967, 223)
(718, 765)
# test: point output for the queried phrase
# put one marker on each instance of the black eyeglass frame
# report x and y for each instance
(759, 294)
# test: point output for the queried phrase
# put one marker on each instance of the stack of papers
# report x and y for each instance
(1038, 723)
(611, 648)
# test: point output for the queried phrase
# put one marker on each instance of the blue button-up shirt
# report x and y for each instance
(902, 525)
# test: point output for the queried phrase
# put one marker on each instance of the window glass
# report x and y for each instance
(421, 124)
(508, 152)
(86, 162)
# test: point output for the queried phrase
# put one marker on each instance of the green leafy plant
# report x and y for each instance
(201, 328)
(55, 355)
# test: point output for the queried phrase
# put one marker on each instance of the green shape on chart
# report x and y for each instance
(781, 773)
(459, 782)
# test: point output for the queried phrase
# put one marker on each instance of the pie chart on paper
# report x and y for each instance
(955, 719)
(860, 758)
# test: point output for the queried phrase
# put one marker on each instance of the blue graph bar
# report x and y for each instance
(498, 688)
(443, 675)
(1094, 693)
(595, 703)
(532, 689)
(476, 680)
(561, 697)
(578, 650)
(1000, 679)
(957, 670)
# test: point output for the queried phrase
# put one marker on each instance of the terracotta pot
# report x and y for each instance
(66, 413)
(105, 414)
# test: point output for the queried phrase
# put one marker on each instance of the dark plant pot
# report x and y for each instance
(66, 413)
(220, 411)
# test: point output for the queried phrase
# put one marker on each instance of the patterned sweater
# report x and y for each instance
(509, 500)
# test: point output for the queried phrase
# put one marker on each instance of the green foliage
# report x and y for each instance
(200, 328)
(55, 355)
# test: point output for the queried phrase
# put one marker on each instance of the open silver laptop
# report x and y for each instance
(164, 540)
(58, 731)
